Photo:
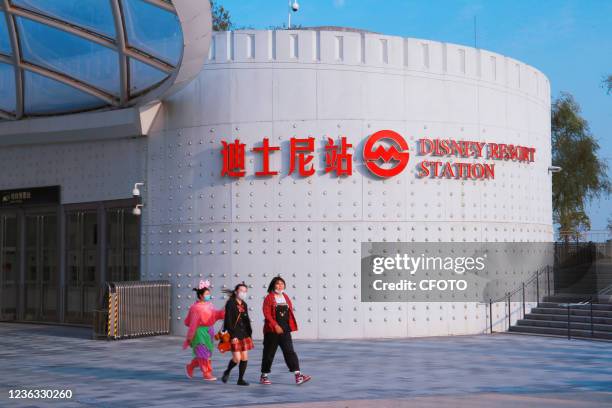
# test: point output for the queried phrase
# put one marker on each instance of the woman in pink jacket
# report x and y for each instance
(201, 319)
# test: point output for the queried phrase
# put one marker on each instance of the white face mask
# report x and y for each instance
(242, 295)
(279, 291)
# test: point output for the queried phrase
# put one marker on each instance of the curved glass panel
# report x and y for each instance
(5, 42)
(143, 76)
(46, 96)
(153, 30)
(95, 15)
(71, 55)
(7, 88)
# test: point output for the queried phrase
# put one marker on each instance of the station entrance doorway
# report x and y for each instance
(55, 258)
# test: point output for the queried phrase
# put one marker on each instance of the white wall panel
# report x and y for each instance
(89, 171)
(283, 84)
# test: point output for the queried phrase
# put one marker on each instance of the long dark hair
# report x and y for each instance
(200, 292)
(273, 283)
(232, 293)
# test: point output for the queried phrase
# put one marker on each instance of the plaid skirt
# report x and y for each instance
(241, 344)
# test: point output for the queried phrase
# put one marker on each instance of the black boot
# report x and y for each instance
(241, 369)
(227, 371)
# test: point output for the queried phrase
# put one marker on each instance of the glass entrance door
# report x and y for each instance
(82, 278)
(41, 268)
(9, 266)
(122, 245)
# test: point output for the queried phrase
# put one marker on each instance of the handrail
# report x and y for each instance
(508, 296)
(569, 306)
(533, 276)
(606, 291)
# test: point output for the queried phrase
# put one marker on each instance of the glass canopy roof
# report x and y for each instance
(66, 56)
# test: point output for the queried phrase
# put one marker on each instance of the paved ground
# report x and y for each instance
(466, 371)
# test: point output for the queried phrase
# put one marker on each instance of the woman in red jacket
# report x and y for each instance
(279, 323)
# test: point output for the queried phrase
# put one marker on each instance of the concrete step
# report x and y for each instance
(596, 306)
(561, 332)
(566, 297)
(573, 311)
(574, 318)
(558, 324)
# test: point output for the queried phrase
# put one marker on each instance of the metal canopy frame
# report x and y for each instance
(119, 45)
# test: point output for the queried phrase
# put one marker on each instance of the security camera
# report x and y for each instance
(554, 169)
(137, 210)
(136, 190)
(295, 6)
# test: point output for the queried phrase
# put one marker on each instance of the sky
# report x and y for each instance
(569, 41)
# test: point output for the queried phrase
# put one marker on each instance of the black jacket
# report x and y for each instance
(237, 327)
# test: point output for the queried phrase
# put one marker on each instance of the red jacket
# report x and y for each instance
(269, 311)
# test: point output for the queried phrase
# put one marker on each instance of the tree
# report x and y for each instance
(607, 83)
(583, 176)
(221, 17)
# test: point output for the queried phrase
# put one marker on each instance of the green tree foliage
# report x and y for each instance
(221, 17)
(584, 174)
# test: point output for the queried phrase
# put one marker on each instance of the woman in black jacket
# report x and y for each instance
(238, 324)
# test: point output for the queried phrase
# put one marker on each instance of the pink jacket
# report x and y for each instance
(201, 314)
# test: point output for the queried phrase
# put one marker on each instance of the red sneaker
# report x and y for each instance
(264, 380)
(301, 378)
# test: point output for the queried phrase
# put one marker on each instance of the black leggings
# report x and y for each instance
(271, 343)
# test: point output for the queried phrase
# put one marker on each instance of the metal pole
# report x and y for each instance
(491, 314)
(591, 317)
(523, 300)
(509, 313)
(548, 279)
(538, 287)
(289, 23)
(569, 336)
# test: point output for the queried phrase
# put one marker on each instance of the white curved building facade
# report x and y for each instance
(284, 84)
(197, 224)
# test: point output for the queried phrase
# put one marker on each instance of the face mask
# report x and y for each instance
(207, 298)
(279, 291)
(242, 295)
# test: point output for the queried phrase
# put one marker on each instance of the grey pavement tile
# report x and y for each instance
(470, 370)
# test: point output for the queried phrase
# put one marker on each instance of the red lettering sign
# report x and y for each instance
(233, 159)
(265, 150)
(337, 159)
(385, 154)
(298, 149)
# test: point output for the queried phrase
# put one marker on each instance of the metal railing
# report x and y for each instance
(601, 235)
(134, 309)
(569, 311)
(532, 284)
